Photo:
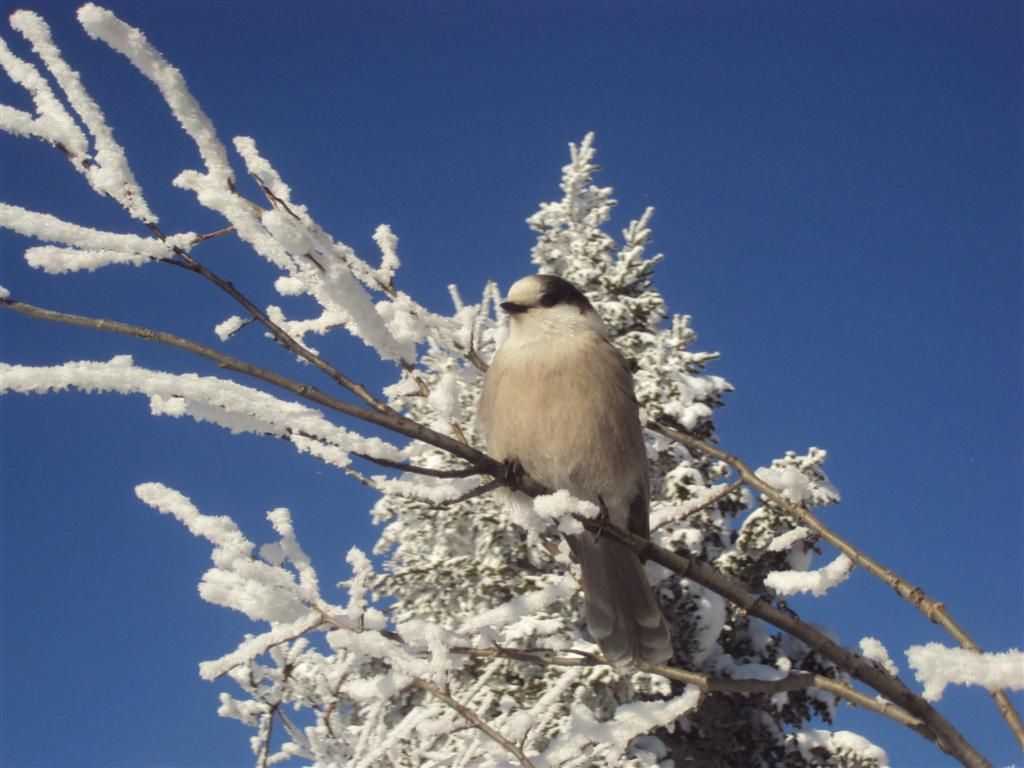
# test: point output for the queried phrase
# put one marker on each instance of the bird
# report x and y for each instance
(558, 402)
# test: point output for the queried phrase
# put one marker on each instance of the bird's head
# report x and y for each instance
(548, 304)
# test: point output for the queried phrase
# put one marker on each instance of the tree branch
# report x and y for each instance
(192, 264)
(933, 610)
(388, 420)
(946, 736)
(710, 501)
(793, 682)
(473, 719)
(441, 473)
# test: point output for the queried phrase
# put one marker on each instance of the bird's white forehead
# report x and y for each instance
(526, 291)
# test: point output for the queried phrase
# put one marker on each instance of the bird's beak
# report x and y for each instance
(512, 308)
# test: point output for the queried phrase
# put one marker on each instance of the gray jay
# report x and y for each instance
(558, 400)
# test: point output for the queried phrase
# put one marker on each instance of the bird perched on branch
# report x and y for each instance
(558, 401)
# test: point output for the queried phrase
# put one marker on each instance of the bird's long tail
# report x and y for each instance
(622, 613)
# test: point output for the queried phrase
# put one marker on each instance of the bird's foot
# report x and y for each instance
(513, 473)
(603, 519)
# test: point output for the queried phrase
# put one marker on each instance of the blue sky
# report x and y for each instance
(838, 190)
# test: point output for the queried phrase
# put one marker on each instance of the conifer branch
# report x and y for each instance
(474, 719)
(794, 681)
(934, 610)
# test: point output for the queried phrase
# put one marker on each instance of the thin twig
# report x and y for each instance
(934, 610)
(444, 473)
(192, 264)
(480, 490)
(710, 501)
(474, 719)
(211, 235)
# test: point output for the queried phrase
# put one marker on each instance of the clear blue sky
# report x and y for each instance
(839, 193)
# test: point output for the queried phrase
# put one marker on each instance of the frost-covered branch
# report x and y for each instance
(391, 421)
(944, 733)
(473, 719)
(106, 169)
(933, 610)
(937, 666)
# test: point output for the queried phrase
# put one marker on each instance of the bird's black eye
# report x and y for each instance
(548, 300)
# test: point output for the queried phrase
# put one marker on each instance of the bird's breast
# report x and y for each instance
(565, 410)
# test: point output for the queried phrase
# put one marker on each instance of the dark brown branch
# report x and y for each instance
(444, 473)
(934, 610)
(480, 490)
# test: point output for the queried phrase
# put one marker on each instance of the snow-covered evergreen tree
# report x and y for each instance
(450, 564)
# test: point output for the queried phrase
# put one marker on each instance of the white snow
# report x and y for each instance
(788, 481)
(613, 736)
(873, 650)
(226, 329)
(561, 589)
(784, 541)
(560, 507)
(710, 621)
(99, 23)
(936, 666)
(387, 241)
(108, 173)
(204, 398)
(844, 742)
(53, 123)
(816, 582)
(753, 671)
(89, 248)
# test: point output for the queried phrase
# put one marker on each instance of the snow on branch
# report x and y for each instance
(263, 590)
(204, 398)
(52, 123)
(313, 262)
(107, 171)
(784, 541)
(562, 508)
(813, 744)
(276, 583)
(88, 248)
(560, 588)
(586, 737)
(936, 666)
(873, 650)
(101, 24)
(330, 271)
(816, 582)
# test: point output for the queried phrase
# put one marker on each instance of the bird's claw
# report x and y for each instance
(512, 473)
